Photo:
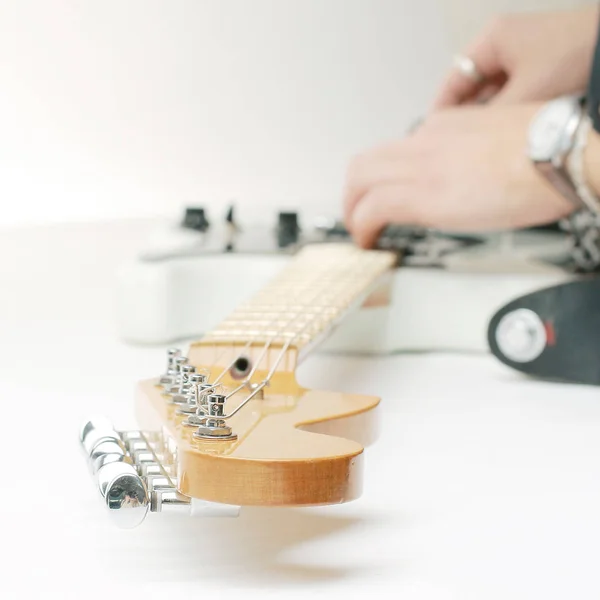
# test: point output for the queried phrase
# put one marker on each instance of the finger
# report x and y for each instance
(383, 163)
(489, 91)
(457, 87)
(515, 91)
(365, 175)
(381, 206)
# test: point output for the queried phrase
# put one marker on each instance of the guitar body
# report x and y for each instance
(441, 298)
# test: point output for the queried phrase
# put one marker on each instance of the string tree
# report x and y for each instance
(257, 389)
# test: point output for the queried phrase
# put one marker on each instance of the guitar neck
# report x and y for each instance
(302, 305)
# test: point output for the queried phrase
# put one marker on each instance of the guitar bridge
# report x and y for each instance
(136, 473)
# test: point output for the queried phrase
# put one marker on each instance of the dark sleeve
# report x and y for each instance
(593, 91)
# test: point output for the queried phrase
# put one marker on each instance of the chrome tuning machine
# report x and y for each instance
(212, 424)
(198, 400)
(171, 372)
(195, 395)
(136, 474)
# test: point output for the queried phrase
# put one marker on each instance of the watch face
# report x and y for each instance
(549, 134)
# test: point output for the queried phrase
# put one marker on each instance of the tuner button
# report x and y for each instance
(97, 432)
(109, 471)
(126, 496)
(92, 424)
(195, 219)
(105, 452)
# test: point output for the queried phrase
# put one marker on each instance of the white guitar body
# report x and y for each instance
(183, 288)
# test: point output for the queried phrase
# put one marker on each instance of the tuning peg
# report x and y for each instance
(107, 451)
(123, 490)
(179, 395)
(125, 494)
(94, 432)
(197, 382)
(171, 371)
(94, 423)
(173, 386)
(134, 478)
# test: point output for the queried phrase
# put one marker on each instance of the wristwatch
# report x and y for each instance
(552, 135)
(557, 139)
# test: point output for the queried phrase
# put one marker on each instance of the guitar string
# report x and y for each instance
(270, 340)
(260, 386)
(264, 350)
(264, 382)
(307, 284)
(281, 332)
(247, 345)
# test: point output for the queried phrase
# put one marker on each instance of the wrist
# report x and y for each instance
(581, 165)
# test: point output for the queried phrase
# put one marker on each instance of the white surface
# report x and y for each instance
(483, 485)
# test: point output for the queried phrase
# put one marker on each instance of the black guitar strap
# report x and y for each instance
(553, 333)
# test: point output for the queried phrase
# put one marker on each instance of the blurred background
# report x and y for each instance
(137, 108)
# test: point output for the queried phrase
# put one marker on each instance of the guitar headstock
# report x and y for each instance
(229, 425)
(282, 445)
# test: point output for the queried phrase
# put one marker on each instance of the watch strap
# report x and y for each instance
(576, 167)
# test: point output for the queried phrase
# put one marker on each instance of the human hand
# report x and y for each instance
(465, 169)
(527, 57)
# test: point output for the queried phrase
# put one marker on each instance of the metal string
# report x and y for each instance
(281, 331)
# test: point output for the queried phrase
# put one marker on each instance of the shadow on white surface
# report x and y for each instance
(263, 546)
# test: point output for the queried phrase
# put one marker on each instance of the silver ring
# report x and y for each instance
(467, 67)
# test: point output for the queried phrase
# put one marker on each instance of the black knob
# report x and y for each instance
(195, 218)
(288, 229)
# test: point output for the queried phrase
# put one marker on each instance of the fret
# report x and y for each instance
(307, 298)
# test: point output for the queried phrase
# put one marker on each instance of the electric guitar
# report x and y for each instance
(226, 424)
(442, 296)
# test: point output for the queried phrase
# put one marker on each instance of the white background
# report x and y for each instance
(136, 108)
